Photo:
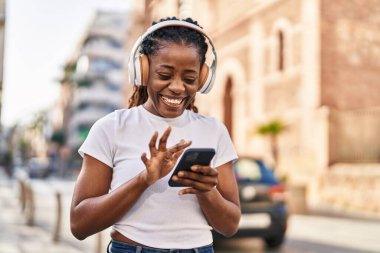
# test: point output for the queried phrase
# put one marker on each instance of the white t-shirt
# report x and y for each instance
(160, 218)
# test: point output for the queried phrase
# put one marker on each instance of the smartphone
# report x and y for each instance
(191, 156)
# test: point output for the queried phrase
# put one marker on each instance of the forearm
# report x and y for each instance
(222, 214)
(95, 214)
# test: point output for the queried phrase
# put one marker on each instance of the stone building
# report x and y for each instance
(315, 65)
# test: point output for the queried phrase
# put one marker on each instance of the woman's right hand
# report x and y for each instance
(162, 159)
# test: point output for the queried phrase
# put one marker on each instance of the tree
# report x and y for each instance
(58, 137)
(272, 129)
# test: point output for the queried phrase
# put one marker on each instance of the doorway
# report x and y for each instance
(228, 106)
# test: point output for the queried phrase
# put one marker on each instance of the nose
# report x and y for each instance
(177, 86)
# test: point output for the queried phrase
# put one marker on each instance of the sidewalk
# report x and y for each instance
(17, 237)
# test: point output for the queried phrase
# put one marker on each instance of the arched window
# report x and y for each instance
(280, 51)
(281, 46)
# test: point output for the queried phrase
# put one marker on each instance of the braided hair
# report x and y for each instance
(153, 42)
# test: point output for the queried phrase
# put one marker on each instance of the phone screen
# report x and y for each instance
(192, 156)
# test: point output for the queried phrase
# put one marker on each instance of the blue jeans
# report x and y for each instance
(122, 247)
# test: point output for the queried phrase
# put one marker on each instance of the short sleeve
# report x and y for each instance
(225, 149)
(100, 140)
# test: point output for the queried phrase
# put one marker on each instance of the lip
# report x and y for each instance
(165, 99)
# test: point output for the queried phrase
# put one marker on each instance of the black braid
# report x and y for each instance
(178, 34)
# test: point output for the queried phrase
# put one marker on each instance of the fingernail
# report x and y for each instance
(181, 174)
(175, 178)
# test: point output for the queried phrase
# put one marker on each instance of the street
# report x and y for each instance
(316, 234)
(306, 233)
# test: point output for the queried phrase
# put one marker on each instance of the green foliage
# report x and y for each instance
(58, 137)
(70, 68)
(273, 127)
(84, 82)
(24, 146)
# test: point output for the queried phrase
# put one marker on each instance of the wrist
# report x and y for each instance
(143, 179)
(207, 195)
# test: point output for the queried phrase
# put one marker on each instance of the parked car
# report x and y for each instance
(263, 203)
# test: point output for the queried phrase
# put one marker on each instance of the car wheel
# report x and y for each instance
(275, 241)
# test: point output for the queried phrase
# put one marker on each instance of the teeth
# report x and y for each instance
(172, 101)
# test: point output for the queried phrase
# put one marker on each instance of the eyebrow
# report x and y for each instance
(172, 68)
(167, 66)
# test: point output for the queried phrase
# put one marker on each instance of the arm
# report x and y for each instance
(220, 205)
(93, 208)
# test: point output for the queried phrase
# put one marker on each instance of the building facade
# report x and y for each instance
(93, 78)
(313, 64)
(99, 75)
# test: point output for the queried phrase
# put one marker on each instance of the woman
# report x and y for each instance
(129, 155)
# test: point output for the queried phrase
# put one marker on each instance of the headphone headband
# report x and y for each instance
(134, 75)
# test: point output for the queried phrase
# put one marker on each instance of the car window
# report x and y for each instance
(248, 170)
(267, 174)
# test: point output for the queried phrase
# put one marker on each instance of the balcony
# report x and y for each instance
(97, 95)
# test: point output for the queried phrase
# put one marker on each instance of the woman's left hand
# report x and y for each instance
(200, 179)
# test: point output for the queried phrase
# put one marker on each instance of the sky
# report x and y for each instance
(40, 36)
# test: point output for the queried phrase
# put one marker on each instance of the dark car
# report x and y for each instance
(263, 203)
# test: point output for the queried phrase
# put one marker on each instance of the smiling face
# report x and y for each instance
(173, 79)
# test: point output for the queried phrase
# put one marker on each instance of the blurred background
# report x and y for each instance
(298, 87)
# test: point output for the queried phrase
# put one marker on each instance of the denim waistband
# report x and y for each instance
(122, 247)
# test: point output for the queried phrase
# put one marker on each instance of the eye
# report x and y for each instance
(189, 80)
(164, 76)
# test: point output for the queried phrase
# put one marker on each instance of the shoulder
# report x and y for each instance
(105, 121)
(115, 118)
(205, 120)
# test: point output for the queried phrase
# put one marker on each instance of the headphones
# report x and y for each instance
(138, 64)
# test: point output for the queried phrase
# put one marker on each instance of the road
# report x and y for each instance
(316, 234)
(306, 233)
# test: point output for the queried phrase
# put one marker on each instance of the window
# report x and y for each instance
(280, 55)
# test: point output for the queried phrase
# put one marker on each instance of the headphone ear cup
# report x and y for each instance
(141, 70)
(203, 76)
(137, 71)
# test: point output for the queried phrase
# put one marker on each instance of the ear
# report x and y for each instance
(144, 68)
(203, 75)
